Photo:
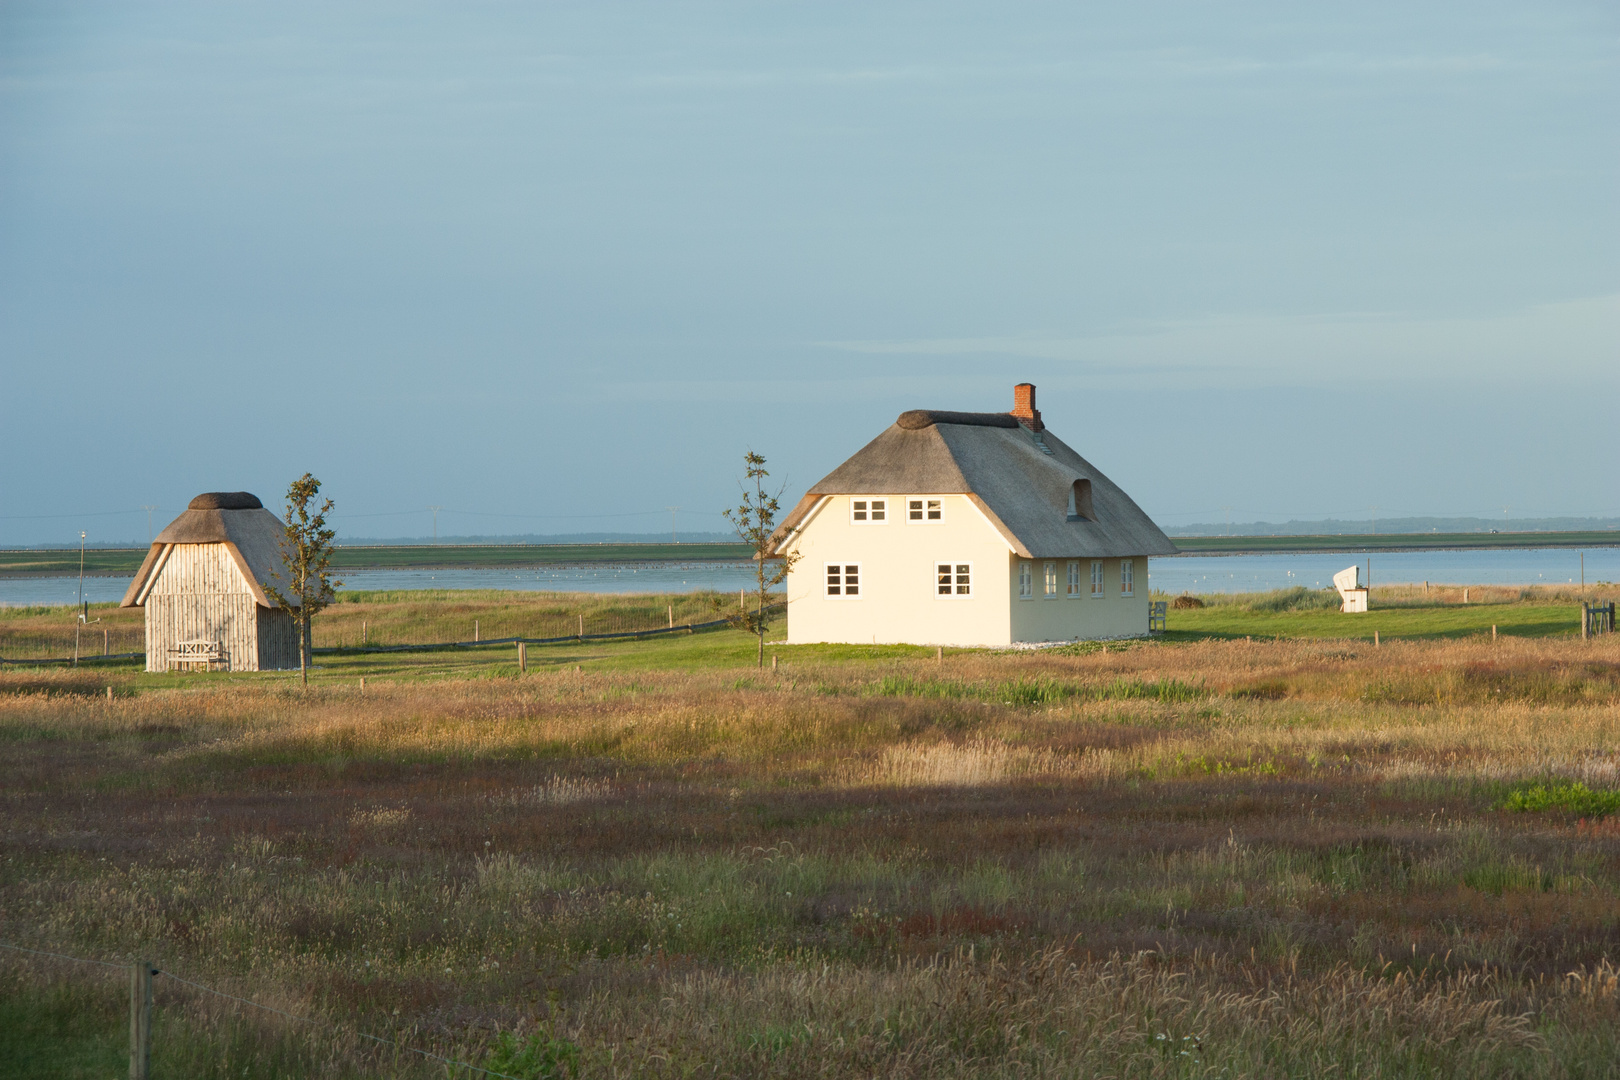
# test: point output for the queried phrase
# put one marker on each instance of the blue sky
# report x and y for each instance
(555, 267)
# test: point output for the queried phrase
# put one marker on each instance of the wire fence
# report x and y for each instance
(616, 630)
(317, 1021)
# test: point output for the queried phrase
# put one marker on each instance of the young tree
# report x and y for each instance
(306, 588)
(755, 522)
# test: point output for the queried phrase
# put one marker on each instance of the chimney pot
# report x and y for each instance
(1024, 407)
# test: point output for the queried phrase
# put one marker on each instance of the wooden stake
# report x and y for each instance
(939, 653)
(362, 684)
(1465, 596)
(582, 626)
(773, 661)
(1375, 637)
(475, 629)
(523, 656)
(672, 616)
(105, 650)
(140, 1020)
(109, 695)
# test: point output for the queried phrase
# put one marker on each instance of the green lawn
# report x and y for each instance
(1436, 621)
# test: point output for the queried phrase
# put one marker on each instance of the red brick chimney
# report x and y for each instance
(1024, 407)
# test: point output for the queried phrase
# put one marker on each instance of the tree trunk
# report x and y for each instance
(303, 644)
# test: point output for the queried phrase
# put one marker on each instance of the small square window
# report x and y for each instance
(843, 579)
(1051, 580)
(869, 510)
(924, 510)
(953, 579)
(1096, 577)
(1026, 581)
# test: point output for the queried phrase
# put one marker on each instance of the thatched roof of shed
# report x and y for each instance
(237, 519)
(997, 462)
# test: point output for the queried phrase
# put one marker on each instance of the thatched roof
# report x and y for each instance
(999, 463)
(237, 519)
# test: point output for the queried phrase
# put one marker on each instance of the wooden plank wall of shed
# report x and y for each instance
(200, 594)
(278, 641)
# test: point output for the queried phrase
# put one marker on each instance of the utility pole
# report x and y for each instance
(435, 510)
(84, 610)
(672, 510)
(149, 533)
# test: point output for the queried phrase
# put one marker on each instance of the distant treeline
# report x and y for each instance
(1363, 527)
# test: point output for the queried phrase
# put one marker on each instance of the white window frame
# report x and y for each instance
(1026, 580)
(1127, 577)
(1099, 582)
(961, 583)
(1074, 579)
(932, 511)
(1049, 580)
(843, 571)
(866, 507)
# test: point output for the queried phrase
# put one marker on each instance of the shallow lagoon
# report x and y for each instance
(1182, 573)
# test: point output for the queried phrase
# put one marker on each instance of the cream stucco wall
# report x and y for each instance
(899, 603)
(1086, 617)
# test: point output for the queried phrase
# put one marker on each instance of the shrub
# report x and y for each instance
(1572, 796)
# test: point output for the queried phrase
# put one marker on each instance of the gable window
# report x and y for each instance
(1074, 580)
(1051, 580)
(1127, 585)
(1096, 577)
(1080, 501)
(924, 510)
(953, 579)
(1026, 581)
(843, 579)
(869, 510)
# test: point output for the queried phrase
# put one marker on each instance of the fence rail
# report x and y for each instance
(345, 650)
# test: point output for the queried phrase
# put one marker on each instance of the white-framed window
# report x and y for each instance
(924, 511)
(1096, 577)
(869, 511)
(953, 579)
(1050, 576)
(1127, 573)
(843, 579)
(1074, 580)
(1026, 581)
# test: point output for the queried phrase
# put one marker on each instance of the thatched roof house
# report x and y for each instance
(956, 527)
(202, 585)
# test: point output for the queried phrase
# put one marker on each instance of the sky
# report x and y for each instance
(556, 267)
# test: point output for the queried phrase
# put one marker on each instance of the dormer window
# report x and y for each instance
(1080, 501)
(869, 511)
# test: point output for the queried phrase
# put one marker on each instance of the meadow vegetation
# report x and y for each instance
(1282, 856)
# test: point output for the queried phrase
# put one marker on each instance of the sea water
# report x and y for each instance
(1174, 574)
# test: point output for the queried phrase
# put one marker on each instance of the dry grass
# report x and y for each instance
(1274, 859)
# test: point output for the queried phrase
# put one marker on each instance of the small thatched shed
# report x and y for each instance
(202, 588)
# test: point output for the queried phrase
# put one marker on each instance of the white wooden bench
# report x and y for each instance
(194, 654)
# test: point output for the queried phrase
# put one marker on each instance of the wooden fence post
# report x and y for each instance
(672, 616)
(140, 1020)
(582, 626)
(523, 656)
(106, 649)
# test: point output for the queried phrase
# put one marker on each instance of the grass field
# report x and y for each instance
(1250, 849)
